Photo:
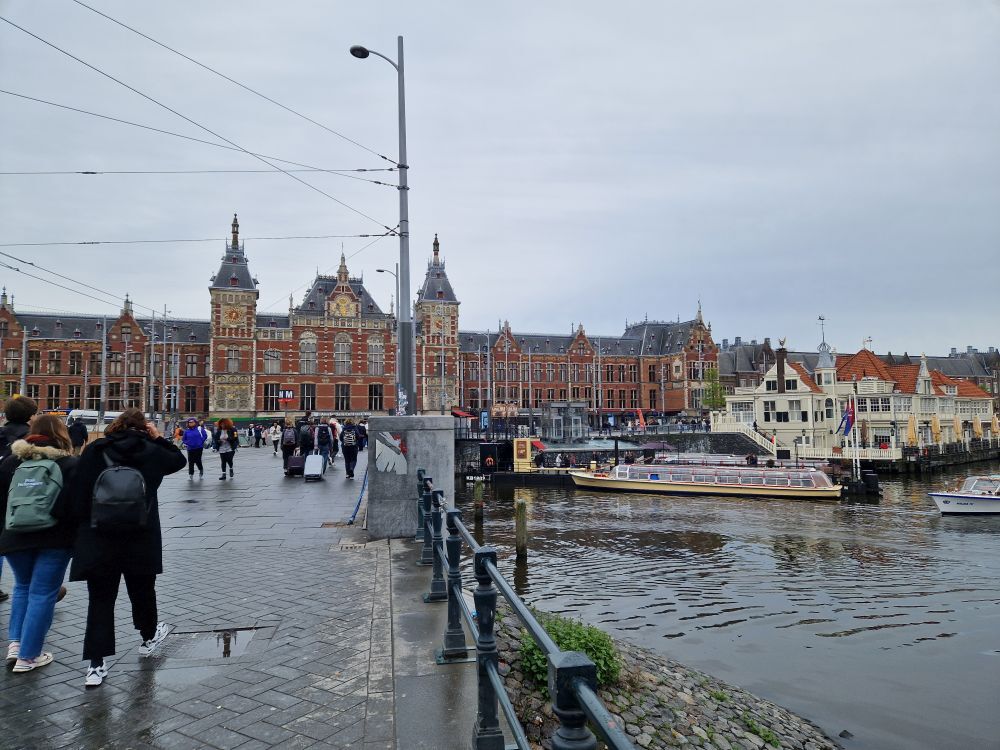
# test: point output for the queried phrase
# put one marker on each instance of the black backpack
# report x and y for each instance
(323, 435)
(119, 499)
(350, 437)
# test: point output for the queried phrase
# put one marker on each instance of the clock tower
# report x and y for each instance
(436, 314)
(233, 349)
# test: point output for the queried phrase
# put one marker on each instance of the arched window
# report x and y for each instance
(307, 354)
(342, 355)
(376, 356)
(272, 362)
(232, 359)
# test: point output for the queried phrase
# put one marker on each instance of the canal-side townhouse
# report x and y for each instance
(802, 403)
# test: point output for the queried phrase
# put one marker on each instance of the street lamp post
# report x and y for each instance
(399, 337)
(407, 362)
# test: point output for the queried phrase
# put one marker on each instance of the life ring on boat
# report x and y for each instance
(489, 461)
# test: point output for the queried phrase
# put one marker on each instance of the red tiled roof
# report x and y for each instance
(964, 388)
(864, 364)
(804, 377)
(905, 377)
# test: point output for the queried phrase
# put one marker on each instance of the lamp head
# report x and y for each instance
(360, 52)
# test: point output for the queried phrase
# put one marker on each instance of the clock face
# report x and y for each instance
(232, 315)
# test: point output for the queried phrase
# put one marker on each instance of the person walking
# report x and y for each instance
(226, 442)
(274, 435)
(349, 445)
(335, 434)
(17, 411)
(38, 476)
(258, 435)
(194, 441)
(324, 439)
(289, 441)
(306, 438)
(363, 434)
(78, 436)
(103, 555)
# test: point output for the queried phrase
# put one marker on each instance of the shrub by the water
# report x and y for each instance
(570, 635)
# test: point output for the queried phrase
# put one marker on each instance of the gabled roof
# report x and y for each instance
(321, 289)
(906, 377)
(805, 377)
(660, 338)
(863, 364)
(234, 273)
(963, 388)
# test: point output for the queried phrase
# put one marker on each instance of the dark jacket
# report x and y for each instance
(9, 433)
(232, 434)
(78, 433)
(63, 533)
(344, 429)
(140, 552)
(306, 439)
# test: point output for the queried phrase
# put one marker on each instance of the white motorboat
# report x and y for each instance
(979, 494)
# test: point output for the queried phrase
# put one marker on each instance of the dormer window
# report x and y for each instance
(77, 333)
(371, 307)
(192, 336)
(35, 331)
(440, 294)
(272, 323)
(437, 275)
(233, 259)
(58, 325)
(234, 280)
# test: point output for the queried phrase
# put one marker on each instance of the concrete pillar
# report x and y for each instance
(397, 447)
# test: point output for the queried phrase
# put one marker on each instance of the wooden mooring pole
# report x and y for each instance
(521, 528)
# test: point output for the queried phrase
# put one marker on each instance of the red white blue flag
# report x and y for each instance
(847, 421)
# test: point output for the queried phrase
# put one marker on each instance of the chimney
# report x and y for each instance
(738, 341)
(725, 345)
(969, 350)
(954, 351)
(782, 355)
(753, 342)
(767, 341)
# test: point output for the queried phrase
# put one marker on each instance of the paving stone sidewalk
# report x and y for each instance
(282, 629)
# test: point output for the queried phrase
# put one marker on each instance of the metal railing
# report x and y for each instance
(572, 676)
(725, 423)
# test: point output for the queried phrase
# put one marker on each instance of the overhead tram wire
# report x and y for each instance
(337, 172)
(70, 289)
(200, 239)
(188, 119)
(201, 140)
(237, 83)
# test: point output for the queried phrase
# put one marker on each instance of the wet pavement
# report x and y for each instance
(282, 629)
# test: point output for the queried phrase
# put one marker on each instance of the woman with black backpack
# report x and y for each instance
(38, 532)
(119, 532)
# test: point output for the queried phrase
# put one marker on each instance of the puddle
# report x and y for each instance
(208, 644)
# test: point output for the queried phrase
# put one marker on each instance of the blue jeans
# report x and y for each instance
(38, 574)
(324, 451)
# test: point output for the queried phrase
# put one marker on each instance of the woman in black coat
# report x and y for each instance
(226, 441)
(102, 558)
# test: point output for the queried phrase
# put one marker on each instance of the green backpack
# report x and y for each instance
(32, 496)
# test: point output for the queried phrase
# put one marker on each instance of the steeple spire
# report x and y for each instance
(236, 234)
(437, 251)
(342, 271)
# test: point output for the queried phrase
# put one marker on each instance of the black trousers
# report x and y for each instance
(194, 459)
(99, 639)
(286, 451)
(227, 460)
(350, 459)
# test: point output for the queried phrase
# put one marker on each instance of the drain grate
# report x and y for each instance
(227, 643)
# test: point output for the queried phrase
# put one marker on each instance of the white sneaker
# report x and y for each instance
(26, 665)
(95, 675)
(13, 651)
(148, 647)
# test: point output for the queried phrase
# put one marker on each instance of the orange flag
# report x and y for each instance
(642, 419)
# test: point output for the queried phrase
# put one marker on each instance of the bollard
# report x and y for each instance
(439, 591)
(566, 668)
(427, 552)
(486, 733)
(454, 647)
(521, 528)
(477, 500)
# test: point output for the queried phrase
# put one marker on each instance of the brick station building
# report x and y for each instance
(335, 352)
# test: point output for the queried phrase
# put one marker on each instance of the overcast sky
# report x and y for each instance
(580, 161)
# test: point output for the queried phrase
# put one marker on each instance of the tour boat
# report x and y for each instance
(741, 481)
(979, 494)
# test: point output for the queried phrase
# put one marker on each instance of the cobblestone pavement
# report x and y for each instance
(282, 629)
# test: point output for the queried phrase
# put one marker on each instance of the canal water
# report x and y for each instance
(879, 619)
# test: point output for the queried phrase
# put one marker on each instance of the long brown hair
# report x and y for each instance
(130, 419)
(225, 424)
(53, 428)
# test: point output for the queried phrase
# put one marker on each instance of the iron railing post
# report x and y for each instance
(427, 552)
(439, 591)
(419, 536)
(566, 668)
(486, 734)
(454, 647)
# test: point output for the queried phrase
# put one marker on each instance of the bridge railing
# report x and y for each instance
(572, 676)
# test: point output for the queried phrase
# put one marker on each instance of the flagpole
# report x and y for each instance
(856, 462)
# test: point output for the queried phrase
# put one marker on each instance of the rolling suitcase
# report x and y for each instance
(296, 465)
(314, 467)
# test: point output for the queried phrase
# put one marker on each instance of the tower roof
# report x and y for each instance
(234, 273)
(436, 285)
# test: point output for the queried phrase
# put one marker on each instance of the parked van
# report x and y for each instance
(90, 418)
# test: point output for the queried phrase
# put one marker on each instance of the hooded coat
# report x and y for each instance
(139, 552)
(61, 535)
(9, 434)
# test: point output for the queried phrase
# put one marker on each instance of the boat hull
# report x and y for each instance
(614, 484)
(957, 503)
